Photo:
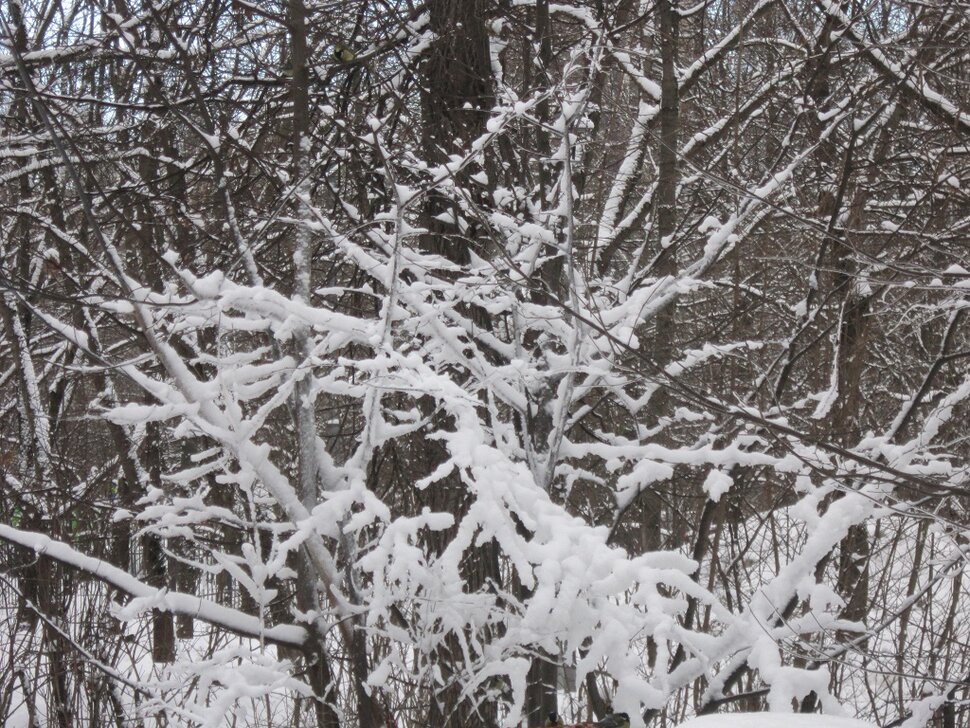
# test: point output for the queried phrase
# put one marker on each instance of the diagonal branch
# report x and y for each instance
(205, 610)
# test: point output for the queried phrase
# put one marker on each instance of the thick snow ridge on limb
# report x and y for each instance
(915, 87)
(148, 597)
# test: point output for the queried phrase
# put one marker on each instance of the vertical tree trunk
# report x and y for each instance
(455, 103)
(843, 421)
(154, 561)
(666, 223)
(369, 715)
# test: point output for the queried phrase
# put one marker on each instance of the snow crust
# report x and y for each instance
(774, 720)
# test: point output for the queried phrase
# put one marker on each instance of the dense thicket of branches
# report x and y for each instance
(379, 363)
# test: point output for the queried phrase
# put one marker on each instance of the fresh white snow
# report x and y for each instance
(774, 720)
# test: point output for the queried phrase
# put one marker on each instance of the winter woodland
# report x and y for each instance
(395, 363)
